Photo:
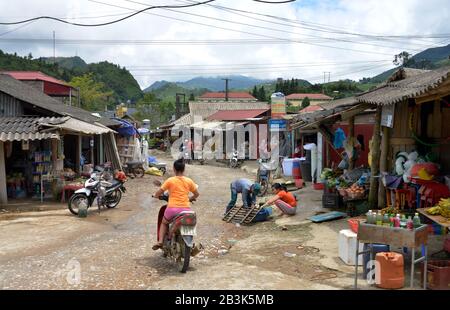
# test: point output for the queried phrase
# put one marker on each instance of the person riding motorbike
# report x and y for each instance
(179, 188)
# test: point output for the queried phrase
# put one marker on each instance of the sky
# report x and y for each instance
(303, 39)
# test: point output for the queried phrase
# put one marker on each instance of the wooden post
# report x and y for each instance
(78, 155)
(383, 165)
(101, 150)
(91, 147)
(351, 137)
(375, 168)
(3, 191)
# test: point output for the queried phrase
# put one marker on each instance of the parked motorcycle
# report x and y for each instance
(235, 162)
(97, 188)
(179, 240)
(265, 169)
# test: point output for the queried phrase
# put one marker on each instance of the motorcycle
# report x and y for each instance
(265, 169)
(235, 162)
(179, 240)
(134, 169)
(97, 188)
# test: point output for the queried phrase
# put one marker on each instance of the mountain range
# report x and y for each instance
(213, 83)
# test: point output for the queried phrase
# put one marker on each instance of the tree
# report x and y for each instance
(402, 59)
(262, 94)
(255, 92)
(305, 102)
(191, 97)
(93, 95)
(158, 111)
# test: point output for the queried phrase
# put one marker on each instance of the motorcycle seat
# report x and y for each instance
(182, 214)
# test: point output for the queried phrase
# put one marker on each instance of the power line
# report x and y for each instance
(247, 32)
(110, 22)
(269, 28)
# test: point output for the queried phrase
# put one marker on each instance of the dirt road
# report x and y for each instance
(54, 249)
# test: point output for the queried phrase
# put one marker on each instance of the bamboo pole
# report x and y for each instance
(385, 139)
(375, 168)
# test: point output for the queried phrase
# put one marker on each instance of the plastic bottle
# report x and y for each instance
(397, 221)
(416, 220)
(386, 220)
(392, 220)
(379, 218)
(403, 221)
(369, 217)
(410, 223)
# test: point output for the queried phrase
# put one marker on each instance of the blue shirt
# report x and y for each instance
(243, 186)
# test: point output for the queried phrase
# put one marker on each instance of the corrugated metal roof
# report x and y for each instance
(410, 87)
(208, 125)
(28, 128)
(236, 115)
(205, 109)
(78, 126)
(34, 75)
(301, 96)
(231, 95)
(349, 101)
(34, 97)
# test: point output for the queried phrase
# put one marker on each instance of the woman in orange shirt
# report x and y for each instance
(284, 200)
(179, 188)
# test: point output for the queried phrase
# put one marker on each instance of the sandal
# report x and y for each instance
(157, 246)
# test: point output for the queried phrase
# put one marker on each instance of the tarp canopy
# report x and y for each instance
(126, 128)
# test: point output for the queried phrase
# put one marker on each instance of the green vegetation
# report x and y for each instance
(156, 110)
(305, 103)
(92, 94)
(113, 78)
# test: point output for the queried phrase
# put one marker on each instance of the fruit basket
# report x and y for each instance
(356, 192)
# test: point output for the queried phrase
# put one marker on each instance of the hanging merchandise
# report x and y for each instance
(339, 138)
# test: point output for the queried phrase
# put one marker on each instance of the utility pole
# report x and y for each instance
(54, 47)
(324, 80)
(178, 110)
(226, 88)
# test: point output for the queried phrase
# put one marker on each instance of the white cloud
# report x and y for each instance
(373, 17)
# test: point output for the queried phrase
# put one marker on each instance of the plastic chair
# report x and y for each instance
(390, 197)
(401, 198)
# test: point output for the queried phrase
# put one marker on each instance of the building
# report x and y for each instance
(40, 137)
(52, 87)
(232, 96)
(296, 100)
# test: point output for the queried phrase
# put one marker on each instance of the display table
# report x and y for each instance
(399, 237)
(438, 219)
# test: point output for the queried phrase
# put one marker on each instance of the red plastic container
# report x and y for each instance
(318, 186)
(353, 224)
(392, 272)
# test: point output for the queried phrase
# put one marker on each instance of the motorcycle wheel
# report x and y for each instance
(138, 172)
(75, 201)
(183, 255)
(233, 163)
(113, 199)
(264, 188)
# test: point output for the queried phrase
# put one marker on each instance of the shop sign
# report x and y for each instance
(387, 115)
(277, 125)
(278, 105)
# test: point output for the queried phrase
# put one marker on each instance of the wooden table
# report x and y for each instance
(400, 237)
(439, 219)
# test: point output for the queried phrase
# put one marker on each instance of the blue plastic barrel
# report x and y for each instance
(376, 248)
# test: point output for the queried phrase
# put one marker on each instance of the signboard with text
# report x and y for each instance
(278, 105)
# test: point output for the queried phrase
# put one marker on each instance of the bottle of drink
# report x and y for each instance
(410, 223)
(369, 217)
(386, 220)
(416, 220)
(391, 220)
(397, 220)
(403, 221)
(379, 218)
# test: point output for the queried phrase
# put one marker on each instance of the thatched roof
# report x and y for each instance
(418, 83)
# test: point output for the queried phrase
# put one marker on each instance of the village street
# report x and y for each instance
(112, 250)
